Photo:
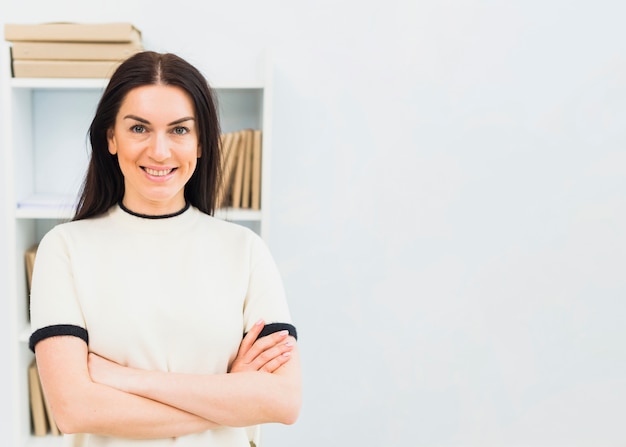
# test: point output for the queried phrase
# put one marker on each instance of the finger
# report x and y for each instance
(251, 336)
(270, 354)
(277, 362)
(264, 344)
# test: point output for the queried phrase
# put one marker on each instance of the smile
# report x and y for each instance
(159, 173)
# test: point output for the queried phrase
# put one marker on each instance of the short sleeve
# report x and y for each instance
(265, 298)
(54, 306)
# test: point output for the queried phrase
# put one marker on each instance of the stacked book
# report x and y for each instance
(70, 50)
(241, 158)
(41, 414)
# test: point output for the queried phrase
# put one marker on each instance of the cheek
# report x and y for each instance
(125, 161)
(192, 156)
(193, 164)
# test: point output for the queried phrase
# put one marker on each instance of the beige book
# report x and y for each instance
(247, 171)
(29, 260)
(64, 69)
(230, 162)
(37, 409)
(237, 180)
(72, 32)
(54, 428)
(225, 141)
(255, 184)
(71, 51)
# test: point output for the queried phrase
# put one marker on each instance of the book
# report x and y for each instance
(87, 51)
(72, 32)
(255, 181)
(226, 141)
(37, 408)
(237, 180)
(230, 162)
(241, 170)
(63, 69)
(29, 260)
(52, 423)
(247, 170)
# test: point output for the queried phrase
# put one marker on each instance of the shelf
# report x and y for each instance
(62, 207)
(43, 206)
(58, 83)
(24, 336)
(44, 441)
(100, 84)
(238, 214)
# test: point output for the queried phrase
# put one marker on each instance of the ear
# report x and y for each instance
(112, 142)
(199, 151)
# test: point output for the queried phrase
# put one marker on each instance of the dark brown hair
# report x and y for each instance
(103, 185)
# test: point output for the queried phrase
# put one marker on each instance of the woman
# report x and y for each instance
(139, 306)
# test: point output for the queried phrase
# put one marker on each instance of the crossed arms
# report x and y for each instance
(90, 394)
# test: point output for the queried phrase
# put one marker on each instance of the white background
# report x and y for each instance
(447, 207)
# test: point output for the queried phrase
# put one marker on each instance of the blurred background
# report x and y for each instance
(448, 207)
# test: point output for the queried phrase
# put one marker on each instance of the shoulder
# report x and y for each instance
(233, 237)
(226, 228)
(66, 231)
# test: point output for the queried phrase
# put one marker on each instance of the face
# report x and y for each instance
(155, 138)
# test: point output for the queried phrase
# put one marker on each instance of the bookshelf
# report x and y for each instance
(43, 158)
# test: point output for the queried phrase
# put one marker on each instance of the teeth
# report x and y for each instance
(158, 173)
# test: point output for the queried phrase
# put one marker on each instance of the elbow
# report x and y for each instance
(66, 429)
(290, 417)
(290, 410)
(66, 423)
(70, 419)
(282, 410)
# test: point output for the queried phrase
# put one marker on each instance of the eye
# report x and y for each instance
(180, 130)
(138, 128)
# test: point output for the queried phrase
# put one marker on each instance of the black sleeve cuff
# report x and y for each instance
(57, 329)
(270, 328)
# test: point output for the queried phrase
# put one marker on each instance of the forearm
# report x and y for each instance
(80, 405)
(103, 410)
(238, 399)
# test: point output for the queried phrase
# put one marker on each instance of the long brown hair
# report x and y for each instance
(103, 185)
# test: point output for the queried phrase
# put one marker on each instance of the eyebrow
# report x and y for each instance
(144, 121)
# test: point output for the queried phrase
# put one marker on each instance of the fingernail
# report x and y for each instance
(286, 354)
(284, 333)
(259, 322)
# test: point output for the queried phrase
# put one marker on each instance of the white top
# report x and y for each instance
(169, 294)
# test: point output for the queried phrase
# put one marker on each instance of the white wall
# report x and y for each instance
(448, 207)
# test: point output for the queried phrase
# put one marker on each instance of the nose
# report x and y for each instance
(159, 149)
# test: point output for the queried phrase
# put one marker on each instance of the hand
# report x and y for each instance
(264, 354)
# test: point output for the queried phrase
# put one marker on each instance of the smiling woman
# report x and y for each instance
(156, 143)
(154, 322)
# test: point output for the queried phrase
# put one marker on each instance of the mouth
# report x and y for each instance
(158, 172)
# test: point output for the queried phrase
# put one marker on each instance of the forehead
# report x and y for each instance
(157, 101)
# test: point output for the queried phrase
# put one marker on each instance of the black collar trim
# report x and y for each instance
(158, 216)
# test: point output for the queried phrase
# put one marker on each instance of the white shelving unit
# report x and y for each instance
(43, 156)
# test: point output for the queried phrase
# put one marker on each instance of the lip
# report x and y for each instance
(158, 173)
